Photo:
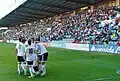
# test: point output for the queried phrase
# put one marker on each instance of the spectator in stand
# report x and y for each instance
(76, 41)
(118, 43)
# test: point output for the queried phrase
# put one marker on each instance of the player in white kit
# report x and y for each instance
(35, 62)
(30, 50)
(20, 52)
(42, 56)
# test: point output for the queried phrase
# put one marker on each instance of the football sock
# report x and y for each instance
(30, 69)
(43, 69)
(40, 66)
(24, 68)
(18, 68)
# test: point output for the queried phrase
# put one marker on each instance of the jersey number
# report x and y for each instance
(30, 50)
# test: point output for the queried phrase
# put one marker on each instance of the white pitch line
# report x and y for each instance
(100, 79)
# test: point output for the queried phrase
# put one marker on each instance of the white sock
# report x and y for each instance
(40, 66)
(44, 70)
(37, 73)
(18, 68)
(33, 66)
(24, 68)
(33, 70)
(30, 69)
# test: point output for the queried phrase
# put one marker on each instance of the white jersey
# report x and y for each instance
(20, 49)
(42, 48)
(35, 54)
(30, 50)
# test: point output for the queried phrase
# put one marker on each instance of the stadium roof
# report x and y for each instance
(33, 10)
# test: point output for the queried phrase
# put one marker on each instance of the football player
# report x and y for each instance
(20, 52)
(42, 56)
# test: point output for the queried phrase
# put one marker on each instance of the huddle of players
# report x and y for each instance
(31, 56)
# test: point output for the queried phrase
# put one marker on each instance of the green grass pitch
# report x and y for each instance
(64, 65)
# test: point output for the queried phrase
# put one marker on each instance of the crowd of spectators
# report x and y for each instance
(30, 30)
(102, 26)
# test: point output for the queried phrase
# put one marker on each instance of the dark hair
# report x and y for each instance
(29, 42)
(23, 40)
(20, 39)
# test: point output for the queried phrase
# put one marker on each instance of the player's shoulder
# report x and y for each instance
(44, 45)
(41, 44)
(38, 44)
(20, 43)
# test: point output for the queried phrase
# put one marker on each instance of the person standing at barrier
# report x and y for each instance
(42, 56)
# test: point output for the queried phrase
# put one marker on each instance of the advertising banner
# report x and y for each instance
(58, 44)
(102, 48)
(84, 47)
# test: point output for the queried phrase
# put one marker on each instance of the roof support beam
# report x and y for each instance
(49, 5)
(27, 14)
(37, 10)
(24, 16)
(80, 1)
(42, 10)
(23, 13)
(18, 18)
(32, 13)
